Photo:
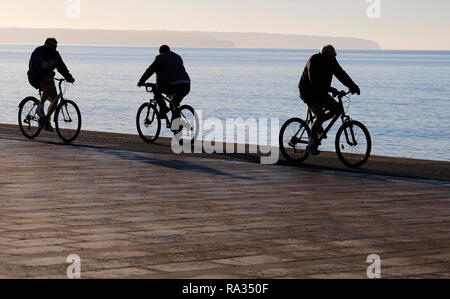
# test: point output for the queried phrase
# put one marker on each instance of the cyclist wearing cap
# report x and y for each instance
(171, 78)
(315, 86)
(44, 60)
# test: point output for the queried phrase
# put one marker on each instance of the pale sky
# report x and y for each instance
(404, 24)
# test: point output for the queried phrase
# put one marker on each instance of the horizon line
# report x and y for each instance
(237, 48)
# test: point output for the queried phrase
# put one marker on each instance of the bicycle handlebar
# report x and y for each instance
(148, 85)
(61, 80)
(342, 94)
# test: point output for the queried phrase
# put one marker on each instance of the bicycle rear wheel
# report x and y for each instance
(68, 121)
(190, 124)
(148, 123)
(28, 118)
(353, 144)
(294, 137)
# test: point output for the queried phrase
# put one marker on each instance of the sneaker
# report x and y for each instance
(48, 127)
(312, 150)
(40, 111)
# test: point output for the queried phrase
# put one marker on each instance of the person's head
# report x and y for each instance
(329, 52)
(164, 49)
(51, 44)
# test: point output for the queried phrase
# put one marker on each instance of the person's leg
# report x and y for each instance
(318, 112)
(48, 93)
(180, 92)
(159, 99)
(37, 84)
(332, 107)
(316, 128)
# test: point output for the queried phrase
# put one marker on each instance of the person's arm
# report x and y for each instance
(153, 68)
(62, 69)
(345, 78)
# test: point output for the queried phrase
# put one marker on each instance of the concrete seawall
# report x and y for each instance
(390, 166)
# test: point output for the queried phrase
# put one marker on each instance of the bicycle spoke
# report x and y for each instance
(28, 121)
(148, 123)
(353, 144)
(294, 137)
(68, 121)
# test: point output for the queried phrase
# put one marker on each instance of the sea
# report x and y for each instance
(405, 100)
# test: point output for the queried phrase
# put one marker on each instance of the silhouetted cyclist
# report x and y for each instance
(171, 78)
(43, 62)
(315, 86)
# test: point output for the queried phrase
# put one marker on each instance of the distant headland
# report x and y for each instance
(181, 39)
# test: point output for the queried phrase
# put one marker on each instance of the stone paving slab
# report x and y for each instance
(131, 214)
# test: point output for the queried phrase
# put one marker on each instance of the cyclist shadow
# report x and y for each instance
(172, 164)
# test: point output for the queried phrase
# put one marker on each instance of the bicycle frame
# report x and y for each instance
(60, 98)
(345, 118)
(154, 102)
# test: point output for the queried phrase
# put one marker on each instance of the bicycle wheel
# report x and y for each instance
(190, 124)
(147, 122)
(68, 121)
(294, 137)
(353, 144)
(28, 118)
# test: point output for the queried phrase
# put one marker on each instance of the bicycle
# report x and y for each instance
(148, 120)
(353, 142)
(67, 117)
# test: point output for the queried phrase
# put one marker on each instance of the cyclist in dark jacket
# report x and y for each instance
(171, 77)
(43, 62)
(315, 86)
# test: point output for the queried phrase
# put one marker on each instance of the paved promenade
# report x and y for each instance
(132, 210)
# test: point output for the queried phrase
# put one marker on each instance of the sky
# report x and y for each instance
(394, 24)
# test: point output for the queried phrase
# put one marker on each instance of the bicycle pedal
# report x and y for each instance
(316, 153)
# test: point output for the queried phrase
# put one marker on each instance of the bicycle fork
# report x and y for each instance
(66, 115)
(350, 134)
(147, 120)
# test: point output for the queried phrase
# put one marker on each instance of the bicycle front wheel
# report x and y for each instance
(189, 125)
(353, 144)
(28, 118)
(148, 123)
(68, 121)
(294, 137)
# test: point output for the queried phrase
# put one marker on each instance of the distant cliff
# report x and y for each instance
(181, 39)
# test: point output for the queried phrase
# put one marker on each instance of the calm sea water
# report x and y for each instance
(405, 99)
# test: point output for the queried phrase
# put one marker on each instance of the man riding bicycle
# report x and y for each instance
(171, 78)
(43, 62)
(315, 86)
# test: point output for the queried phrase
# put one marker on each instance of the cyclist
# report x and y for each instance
(171, 78)
(44, 60)
(315, 86)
